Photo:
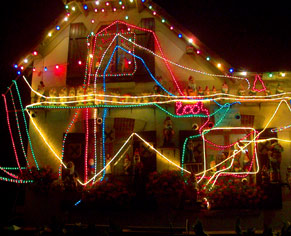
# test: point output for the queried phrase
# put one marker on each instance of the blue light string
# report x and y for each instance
(103, 142)
(143, 62)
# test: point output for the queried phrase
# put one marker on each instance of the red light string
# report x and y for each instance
(19, 131)
(157, 43)
(86, 143)
(10, 131)
(257, 77)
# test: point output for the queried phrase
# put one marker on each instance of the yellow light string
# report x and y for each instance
(44, 139)
(202, 98)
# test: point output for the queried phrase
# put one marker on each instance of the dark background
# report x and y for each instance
(249, 35)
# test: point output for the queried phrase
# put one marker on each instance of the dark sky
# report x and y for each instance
(250, 35)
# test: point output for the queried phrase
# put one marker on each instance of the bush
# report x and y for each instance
(108, 194)
(229, 193)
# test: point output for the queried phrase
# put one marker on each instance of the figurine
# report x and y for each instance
(189, 157)
(63, 94)
(168, 132)
(200, 91)
(246, 162)
(41, 91)
(267, 92)
(90, 93)
(213, 90)
(80, 95)
(241, 90)
(206, 91)
(138, 165)
(53, 96)
(100, 98)
(279, 89)
(224, 88)
(157, 91)
(191, 88)
(212, 164)
(72, 94)
(91, 163)
(252, 92)
(126, 164)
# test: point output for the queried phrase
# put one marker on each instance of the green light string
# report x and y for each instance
(64, 141)
(13, 168)
(17, 181)
(25, 124)
(227, 106)
(18, 129)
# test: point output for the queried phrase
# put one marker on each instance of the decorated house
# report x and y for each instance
(120, 86)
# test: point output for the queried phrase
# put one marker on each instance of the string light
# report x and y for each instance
(17, 181)
(25, 124)
(10, 131)
(18, 129)
(64, 140)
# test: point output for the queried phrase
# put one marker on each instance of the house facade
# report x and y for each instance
(117, 83)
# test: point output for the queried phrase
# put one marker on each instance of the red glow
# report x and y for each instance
(35, 53)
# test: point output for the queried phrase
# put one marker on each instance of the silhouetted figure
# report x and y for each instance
(198, 229)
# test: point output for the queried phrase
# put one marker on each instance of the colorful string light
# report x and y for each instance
(25, 124)
(10, 131)
(18, 129)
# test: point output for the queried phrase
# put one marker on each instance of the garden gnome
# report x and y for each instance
(72, 94)
(267, 92)
(241, 90)
(206, 91)
(252, 92)
(213, 90)
(40, 90)
(80, 93)
(126, 164)
(192, 88)
(53, 96)
(279, 89)
(157, 91)
(90, 93)
(168, 132)
(91, 166)
(212, 164)
(224, 88)
(200, 91)
(63, 94)
(137, 162)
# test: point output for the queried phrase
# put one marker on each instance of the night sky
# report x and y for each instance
(249, 36)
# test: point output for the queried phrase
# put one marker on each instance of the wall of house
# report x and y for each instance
(53, 123)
